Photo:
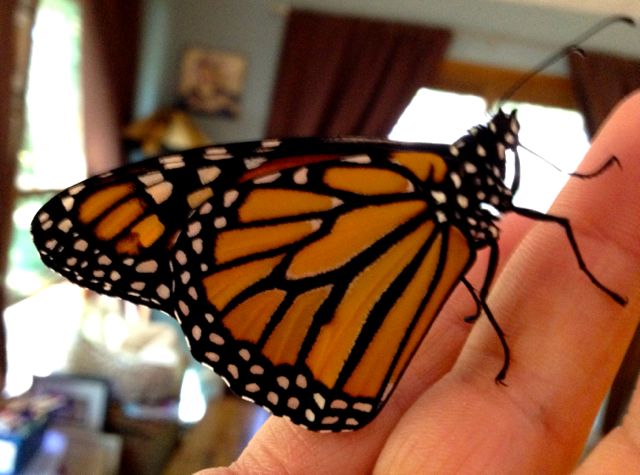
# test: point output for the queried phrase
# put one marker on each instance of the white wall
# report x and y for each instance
(485, 31)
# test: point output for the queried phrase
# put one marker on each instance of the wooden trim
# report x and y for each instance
(491, 83)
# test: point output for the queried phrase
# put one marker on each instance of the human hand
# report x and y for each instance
(567, 340)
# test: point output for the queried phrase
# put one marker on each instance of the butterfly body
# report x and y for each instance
(305, 272)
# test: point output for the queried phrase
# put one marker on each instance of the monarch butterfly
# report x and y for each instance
(304, 271)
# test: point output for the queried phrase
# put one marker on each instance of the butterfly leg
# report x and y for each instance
(481, 303)
(604, 167)
(488, 279)
(480, 299)
(566, 225)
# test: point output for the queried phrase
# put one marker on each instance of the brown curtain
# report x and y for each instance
(109, 58)
(16, 21)
(600, 82)
(350, 76)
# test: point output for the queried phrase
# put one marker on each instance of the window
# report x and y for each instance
(51, 156)
(555, 133)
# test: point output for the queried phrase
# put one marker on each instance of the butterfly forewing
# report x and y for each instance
(113, 233)
(309, 284)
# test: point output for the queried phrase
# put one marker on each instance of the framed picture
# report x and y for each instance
(212, 82)
(86, 398)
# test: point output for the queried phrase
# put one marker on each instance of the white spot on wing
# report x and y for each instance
(272, 398)
(300, 176)
(160, 192)
(216, 153)
(462, 201)
(283, 382)
(81, 245)
(151, 178)
(67, 202)
(65, 225)
(455, 178)
(363, 407)
(320, 401)
(255, 162)
(74, 190)
(216, 339)
(208, 174)
(194, 228)
(138, 285)
(220, 222)
(181, 257)
(206, 208)
(256, 369)
(270, 143)
(147, 267)
(338, 404)
(361, 159)
(233, 371)
(163, 291)
(439, 196)
(172, 161)
(229, 197)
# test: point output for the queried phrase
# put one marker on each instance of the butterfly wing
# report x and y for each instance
(309, 284)
(113, 233)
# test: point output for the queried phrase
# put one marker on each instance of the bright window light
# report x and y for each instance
(439, 117)
(556, 134)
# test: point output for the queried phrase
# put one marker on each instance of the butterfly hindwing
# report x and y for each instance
(309, 284)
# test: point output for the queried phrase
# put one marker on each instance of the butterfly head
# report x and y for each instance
(495, 139)
(506, 128)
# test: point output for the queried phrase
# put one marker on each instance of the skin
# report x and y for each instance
(567, 340)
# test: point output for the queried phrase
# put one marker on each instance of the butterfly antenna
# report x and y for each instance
(548, 162)
(571, 47)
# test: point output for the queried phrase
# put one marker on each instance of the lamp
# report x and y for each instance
(165, 130)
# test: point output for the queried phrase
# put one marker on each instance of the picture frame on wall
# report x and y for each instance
(212, 81)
